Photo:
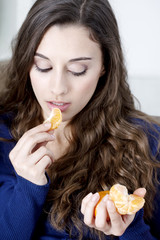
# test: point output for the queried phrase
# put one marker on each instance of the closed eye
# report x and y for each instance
(43, 69)
(79, 73)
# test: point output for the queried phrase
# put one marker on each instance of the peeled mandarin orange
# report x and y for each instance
(124, 203)
(55, 118)
(101, 194)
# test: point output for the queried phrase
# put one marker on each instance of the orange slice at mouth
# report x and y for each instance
(55, 118)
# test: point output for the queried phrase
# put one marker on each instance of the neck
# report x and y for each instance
(60, 144)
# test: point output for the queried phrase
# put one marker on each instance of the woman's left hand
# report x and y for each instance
(116, 225)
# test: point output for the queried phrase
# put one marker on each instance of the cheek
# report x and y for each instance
(37, 83)
(89, 87)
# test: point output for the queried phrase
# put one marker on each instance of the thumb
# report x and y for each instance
(140, 192)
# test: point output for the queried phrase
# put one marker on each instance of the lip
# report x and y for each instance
(63, 106)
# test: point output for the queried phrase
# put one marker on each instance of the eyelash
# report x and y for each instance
(42, 70)
(77, 74)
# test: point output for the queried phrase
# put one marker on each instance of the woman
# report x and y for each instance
(68, 55)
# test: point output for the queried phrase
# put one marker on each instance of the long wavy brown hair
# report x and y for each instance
(109, 141)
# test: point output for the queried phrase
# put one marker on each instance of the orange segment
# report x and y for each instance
(135, 203)
(119, 195)
(101, 194)
(55, 118)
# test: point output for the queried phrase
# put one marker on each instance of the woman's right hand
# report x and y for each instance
(30, 157)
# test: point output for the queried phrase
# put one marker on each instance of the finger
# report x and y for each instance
(39, 154)
(140, 192)
(32, 132)
(30, 143)
(85, 202)
(115, 218)
(89, 210)
(43, 164)
(102, 215)
(40, 128)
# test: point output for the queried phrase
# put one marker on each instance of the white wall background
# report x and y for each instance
(139, 24)
(12, 14)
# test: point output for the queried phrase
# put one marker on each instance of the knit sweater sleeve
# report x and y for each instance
(21, 202)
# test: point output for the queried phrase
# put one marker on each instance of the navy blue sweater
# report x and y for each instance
(22, 202)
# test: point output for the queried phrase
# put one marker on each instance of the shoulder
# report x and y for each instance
(5, 146)
(152, 132)
(149, 127)
(5, 124)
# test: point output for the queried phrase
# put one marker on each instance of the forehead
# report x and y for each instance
(72, 39)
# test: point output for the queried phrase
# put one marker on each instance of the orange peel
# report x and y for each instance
(102, 194)
(55, 118)
(125, 203)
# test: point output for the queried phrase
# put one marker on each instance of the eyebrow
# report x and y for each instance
(41, 55)
(71, 60)
(79, 59)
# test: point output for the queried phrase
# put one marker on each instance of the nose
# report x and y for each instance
(58, 84)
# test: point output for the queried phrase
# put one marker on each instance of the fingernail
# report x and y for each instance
(105, 198)
(47, 124)
(144, 190)
(95, 197)
(89, 195)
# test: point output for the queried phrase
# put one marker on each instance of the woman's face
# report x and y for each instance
(67, 66)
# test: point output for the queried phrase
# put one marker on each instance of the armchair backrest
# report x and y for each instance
(2, 66)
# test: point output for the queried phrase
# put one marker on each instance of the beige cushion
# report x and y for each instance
(156, 118)
(2, 65)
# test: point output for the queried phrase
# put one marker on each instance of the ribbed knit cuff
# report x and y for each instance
(36, 194)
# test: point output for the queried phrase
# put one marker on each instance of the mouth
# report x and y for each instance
(63, 106)
(58, 104)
